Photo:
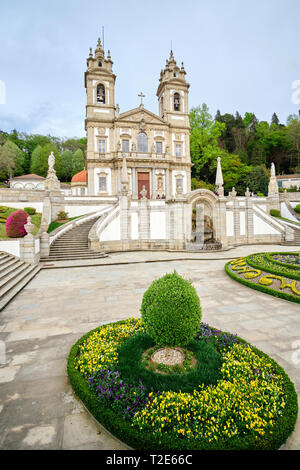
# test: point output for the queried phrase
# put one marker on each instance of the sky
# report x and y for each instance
(238, 55)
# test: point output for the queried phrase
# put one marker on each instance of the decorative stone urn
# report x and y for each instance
(29, 226)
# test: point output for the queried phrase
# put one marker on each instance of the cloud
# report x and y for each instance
(45, 119)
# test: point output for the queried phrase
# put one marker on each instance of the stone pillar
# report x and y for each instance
(249, 220)
(144, 217)
(27, 251)
(167, 183)
(134, 184)
(221, 233)
(119, 186)
(44, 245)
(236, 220)
(199, 224)
(124, 217)
(153, 184)
(91, 183)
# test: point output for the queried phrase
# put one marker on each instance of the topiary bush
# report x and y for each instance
(275, 213)
(297, 208)
(14, 225)
(171, 311)
(30, 210)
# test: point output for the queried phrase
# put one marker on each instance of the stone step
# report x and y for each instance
(18, 287)
(11, 261)
(4, 259)
(74, 256)
(16, 267)
(27, 270)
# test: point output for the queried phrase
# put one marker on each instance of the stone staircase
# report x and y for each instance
(14, 275)
(73, 245)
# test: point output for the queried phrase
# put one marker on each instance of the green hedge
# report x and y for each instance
(131, 368)
(282, 263)
(261, 288)
(271, 270)
(125, 432)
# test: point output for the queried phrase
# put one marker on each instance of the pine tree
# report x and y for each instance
(35, 163)
(77, 162)
(275, 119)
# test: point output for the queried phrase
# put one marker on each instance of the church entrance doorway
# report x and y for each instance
(144, 180)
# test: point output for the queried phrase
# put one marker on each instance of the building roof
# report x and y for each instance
(31, 176)
(80, 177)
(287, 177)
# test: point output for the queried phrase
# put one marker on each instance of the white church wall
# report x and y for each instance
(229, 224)
(286, 213)
(10, 246)
(77, 210)
(157, 225)
(178, 173)
(97, 172)
(242, 223)
(112, 231)
(260, 227)
(134, 226)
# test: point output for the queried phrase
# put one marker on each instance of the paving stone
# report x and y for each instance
(37, 407)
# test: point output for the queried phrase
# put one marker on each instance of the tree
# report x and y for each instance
(257, 180)
(39, 164)
(203, 140)
(12, 159)
(7, 163)
(293, 131)
(275, 119)
(66, 167)
(36, 160)
(234, 172)
(77, 162)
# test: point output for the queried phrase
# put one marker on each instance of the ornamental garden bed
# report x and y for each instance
(5, 212)
(227, 395)
(276, 273)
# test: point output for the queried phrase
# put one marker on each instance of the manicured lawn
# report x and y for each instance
(54, 225)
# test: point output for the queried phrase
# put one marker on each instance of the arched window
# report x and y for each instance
(100, 94)
(142, 142)
(176, 102)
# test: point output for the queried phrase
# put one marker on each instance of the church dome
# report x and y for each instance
(80, 177)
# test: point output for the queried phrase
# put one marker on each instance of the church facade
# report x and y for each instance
(156, 147)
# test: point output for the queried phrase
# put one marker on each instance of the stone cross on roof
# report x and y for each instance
(141, 95)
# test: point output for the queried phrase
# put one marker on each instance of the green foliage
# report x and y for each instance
(62, 215)
(257, 180)
(132, 369)
(203, 138)
(145, 440)
(261, 288)
(11, 159)
(171, 311)
(198, 184)
(275, 213)
(30, 210)
(297, 208)
(77, 162)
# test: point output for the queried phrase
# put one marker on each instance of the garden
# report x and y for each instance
(171, 382)
(12, 221)
(276, 273)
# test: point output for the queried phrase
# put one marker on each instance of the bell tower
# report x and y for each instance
(172, 94)
(100, 85)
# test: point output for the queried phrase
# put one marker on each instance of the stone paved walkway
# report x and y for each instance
(37, 407)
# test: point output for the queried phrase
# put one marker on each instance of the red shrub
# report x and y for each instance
(14, 225)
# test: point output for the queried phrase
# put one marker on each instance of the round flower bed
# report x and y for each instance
(275, 273)
(238, 399)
